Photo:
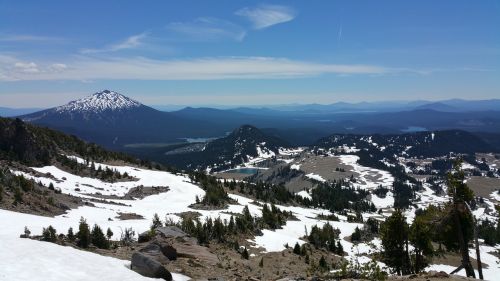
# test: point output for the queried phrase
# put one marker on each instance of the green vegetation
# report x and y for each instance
(37, 146)
(326, 238)
(83, 234)
(451, 226)
(49, 234)
(98, 239)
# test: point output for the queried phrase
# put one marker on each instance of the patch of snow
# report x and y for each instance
(315, 177)
(304, 194)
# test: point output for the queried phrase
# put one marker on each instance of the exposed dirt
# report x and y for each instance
(129, 216)
(40, 201)
(483, 186)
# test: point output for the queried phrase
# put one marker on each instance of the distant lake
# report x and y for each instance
(413, 129)
(198, 140)
(246, 171)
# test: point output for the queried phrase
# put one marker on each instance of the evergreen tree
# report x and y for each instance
(261, 263)
(109, 233)
(83, 235)
(420, 238)
(394, 235)
(244, 254)
(70, 235)
(462, 196)
(98, 238)
(49, 234)
(296, 249)
(322, 263)
(356, 235)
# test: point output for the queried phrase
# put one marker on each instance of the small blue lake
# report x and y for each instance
(246, 171)
(414, 129)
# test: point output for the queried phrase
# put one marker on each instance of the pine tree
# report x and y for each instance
(421, 240)
(83, 234)
(296, 249)
(340, 249)
(394, 235)
(109, 233)
(261, 263)
(356, 236)
(462, 196)
(71, 235)
(322, 263)
(49, 234)
(244, 254)
(98, 238)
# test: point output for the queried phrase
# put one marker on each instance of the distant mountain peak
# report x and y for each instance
(101, 101)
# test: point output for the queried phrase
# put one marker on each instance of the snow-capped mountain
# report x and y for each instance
(100, 101)
(113, 120)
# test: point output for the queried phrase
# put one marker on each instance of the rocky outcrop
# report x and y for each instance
(168, 244)
(170, 232)
(188, 247)
(148, 266)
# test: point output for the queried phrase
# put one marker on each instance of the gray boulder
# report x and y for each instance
(149, 267)
(171, 231)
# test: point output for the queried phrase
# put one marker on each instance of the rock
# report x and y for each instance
(169, 251)
(144, 237)
(154, 250)
(189, 248)
(149, 267)
(438, 274)
(171, 231)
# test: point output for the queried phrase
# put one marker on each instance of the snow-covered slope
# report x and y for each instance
(98, 102)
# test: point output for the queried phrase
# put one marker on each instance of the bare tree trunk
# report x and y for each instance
(469, 270)
(478, 252)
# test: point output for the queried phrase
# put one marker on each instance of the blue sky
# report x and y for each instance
(248, 52)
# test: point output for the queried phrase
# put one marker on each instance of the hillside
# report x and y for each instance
(418, 144)
(242, 145)
(37, 146)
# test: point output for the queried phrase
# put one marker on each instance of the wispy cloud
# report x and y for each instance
(28, 38)
(218, 68)
(207, 29)
(267, 15)
(131, 42)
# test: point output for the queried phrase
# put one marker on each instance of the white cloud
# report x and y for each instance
(131, 42)
(28, 38)
(26, 67)
(88, 68)
(267, 15)
(207, 29)
(58, 67)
